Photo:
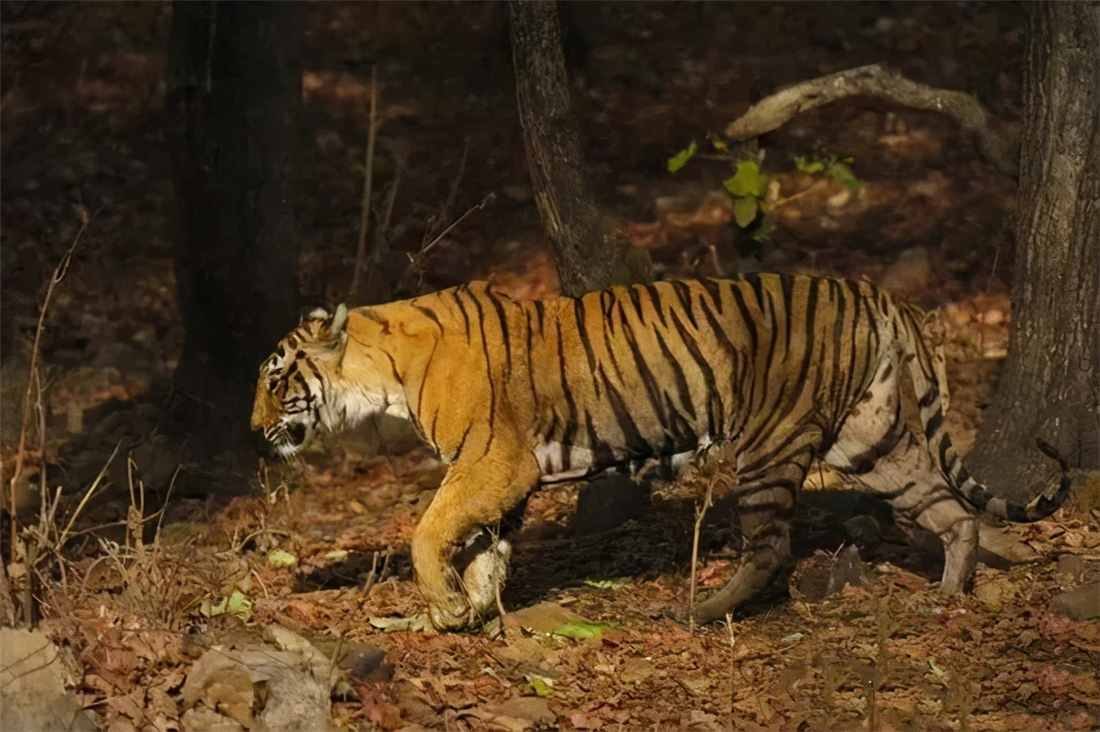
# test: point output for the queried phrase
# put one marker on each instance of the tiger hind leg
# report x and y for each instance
(920, 496)
(765, 504)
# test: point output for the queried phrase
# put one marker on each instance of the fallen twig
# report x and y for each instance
(881, 83)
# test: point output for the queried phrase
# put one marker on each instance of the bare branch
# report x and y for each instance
(59, 273)
(368, 183)
(880, 83)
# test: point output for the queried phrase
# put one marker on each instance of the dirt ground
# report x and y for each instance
(592, 638)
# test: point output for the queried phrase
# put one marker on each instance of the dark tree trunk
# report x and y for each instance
(590, 254)
(1050, 386)
(234, 95)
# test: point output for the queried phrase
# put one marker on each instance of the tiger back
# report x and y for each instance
(514, 393)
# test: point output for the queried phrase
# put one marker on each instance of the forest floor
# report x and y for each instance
(182, 618)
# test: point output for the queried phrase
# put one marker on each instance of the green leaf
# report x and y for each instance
(239, 605)
(210, 609)
(744, 211)
(541, 685)
(337, 555)
(718, 143)
(681, 158)
(281, 558)
(581, 629)
(236, 604)
(809, 167)
(763, 230)
(608, 584)
(935, 668)
(842, 174)
(747, 181)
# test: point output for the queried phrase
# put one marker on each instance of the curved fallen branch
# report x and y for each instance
(880, 83)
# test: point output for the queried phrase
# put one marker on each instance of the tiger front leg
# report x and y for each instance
(475, 493)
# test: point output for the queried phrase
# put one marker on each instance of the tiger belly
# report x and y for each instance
(560, 463)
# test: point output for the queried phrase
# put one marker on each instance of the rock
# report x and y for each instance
(607, 502)
(864, 530)
(822, 575)
(995, 593)
(32, 680)
(1072, 566)
(848, 569)
(1082, 603)
(367, 663)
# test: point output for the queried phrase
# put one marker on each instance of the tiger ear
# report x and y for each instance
(325, 328)
(338, 320)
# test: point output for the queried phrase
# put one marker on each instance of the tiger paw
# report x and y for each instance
(451, 614)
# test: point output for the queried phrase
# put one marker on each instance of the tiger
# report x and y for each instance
(780, 369)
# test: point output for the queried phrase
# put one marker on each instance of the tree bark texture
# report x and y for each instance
(589, 253)
(234, 96)
(1050, 386)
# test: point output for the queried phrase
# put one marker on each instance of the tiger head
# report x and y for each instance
(295, 391)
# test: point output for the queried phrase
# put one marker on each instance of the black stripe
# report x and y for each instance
(746, 318)
(582, 331)
(424, 379)
(462, 309)
(601, 453)
(683, 292)
(712, 392)
(571, 422)
(681, 380)
(530, 356)
(430, 314)
(489, 372)
(657, 302)
(540, 312)
(836, 298)
(855, 343)
(648, 379)
(714, 287)
(787, 293)
(811, 336)
(505, 335)
(636, 445)
(635, 299)
(933, 425)
(461, 443)
(929, 397)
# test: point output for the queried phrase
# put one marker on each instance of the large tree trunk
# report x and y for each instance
(234, 95)
(1050, 386)
(589, 252)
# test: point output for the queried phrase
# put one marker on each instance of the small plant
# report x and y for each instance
(755, 193)
(836, 168)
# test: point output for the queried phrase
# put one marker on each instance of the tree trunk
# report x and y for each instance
(590, 253)
(234, 96)
(1050, 386)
